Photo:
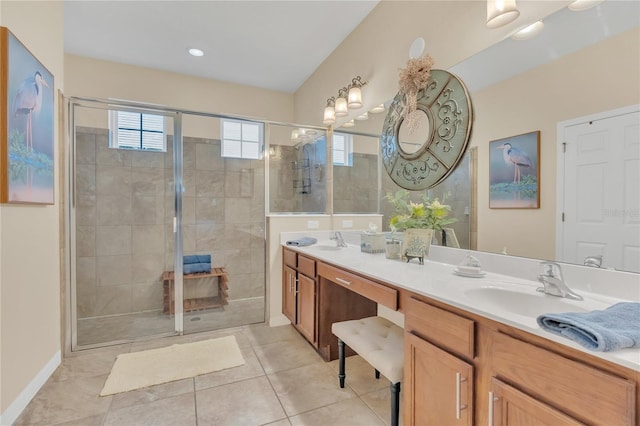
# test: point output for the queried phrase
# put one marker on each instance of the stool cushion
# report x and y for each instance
(378, 341)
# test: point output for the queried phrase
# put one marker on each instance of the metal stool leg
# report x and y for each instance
(395, 404)
(341, 375)
(377, 374)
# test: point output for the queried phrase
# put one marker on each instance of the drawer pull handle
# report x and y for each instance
(343, 281)
(492, 400)
(459, 406)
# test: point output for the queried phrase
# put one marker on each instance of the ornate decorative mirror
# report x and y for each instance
(424, 156)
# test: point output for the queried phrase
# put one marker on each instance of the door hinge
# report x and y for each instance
(564, 147)
(563, 216)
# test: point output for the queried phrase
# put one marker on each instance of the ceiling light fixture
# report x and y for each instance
(363, 116)
(529, 31)
(330, 111)
(580, 5)
(349, 123)
(195, 52)
(501, 12)
(375, 110)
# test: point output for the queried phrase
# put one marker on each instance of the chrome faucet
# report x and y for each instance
(593, 261)
(553, 282)
(338, 239)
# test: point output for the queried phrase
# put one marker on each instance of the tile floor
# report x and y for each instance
(283, 382)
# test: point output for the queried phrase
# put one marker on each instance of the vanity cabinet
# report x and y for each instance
(438, 382)
(299, 293)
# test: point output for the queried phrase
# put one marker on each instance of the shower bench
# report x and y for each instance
(196, 303)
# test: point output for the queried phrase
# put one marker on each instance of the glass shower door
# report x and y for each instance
(122, 224)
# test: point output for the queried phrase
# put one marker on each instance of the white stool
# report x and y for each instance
(380, 343)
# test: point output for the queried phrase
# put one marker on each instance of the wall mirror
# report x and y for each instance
(420, 156)
(514, 93)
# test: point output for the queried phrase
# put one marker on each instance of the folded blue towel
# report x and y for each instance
(301, 242)
(196, 258)
(194, 268)
(616, 327)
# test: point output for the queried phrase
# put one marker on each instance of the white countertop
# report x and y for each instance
(438, 281)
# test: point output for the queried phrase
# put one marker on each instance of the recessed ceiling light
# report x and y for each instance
(529, 31)
(195, 52)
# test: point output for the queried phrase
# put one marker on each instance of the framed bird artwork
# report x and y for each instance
(26, 125)
(514, 172)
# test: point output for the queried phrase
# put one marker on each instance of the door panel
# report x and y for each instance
(306, 307)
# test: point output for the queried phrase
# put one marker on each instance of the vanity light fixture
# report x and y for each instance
(195, 52)
(330, 111)
(349, 123)
(501, 12)
(349, 98)
(355, 93)
(580, 5)
(375, 110)
(363, 116)
(529, 31)
(341, 103)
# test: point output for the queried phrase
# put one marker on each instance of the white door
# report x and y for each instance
(601, 203)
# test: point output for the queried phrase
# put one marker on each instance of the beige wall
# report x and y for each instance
(86, 77)
(599, 78)
(29, 235)
(379, 46)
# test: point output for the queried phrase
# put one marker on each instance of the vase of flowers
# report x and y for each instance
(428, 214)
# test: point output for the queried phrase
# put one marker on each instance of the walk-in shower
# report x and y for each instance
(147, 187)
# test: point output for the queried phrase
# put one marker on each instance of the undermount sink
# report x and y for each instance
(524, 303)
(326, 247)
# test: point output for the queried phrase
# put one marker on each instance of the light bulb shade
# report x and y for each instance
(501, 12)
(341, 107)
(295, 135)
(355, 98)
(529, 31)
(580, 5)
(378, 109)
(349, 123)
(329, 115)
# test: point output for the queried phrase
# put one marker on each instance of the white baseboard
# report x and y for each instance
(20, 403)
(278, 320)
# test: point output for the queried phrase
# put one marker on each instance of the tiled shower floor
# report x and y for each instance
(115, 328)
(283, 382)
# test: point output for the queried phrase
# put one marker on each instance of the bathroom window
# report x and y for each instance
(134, 130)
(242, 139)
(342, 149)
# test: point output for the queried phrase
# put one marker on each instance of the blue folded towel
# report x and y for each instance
(301, 242)
(195, 268)
(196, 258)
(616, 327)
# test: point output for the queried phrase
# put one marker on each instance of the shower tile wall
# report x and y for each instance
(356, 189)
(124, 214)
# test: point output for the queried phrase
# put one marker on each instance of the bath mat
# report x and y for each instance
(147, 368)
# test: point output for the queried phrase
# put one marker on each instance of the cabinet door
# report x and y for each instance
(307, 307)
(438, 385)
(508, 406)
(289, 294)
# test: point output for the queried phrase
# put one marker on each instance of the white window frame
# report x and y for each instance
(114, 139)
(243, 143)
(345, 157)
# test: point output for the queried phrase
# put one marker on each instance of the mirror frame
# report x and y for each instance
(448, 107)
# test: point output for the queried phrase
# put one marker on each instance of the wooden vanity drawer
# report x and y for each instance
(447, 330)
(307, 266)
(290, 258)
(584, 392)
(379, 293)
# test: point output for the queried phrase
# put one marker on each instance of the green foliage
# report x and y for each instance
(425, 215)
(21, 159)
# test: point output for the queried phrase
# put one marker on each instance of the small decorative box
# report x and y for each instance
(372, 242)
